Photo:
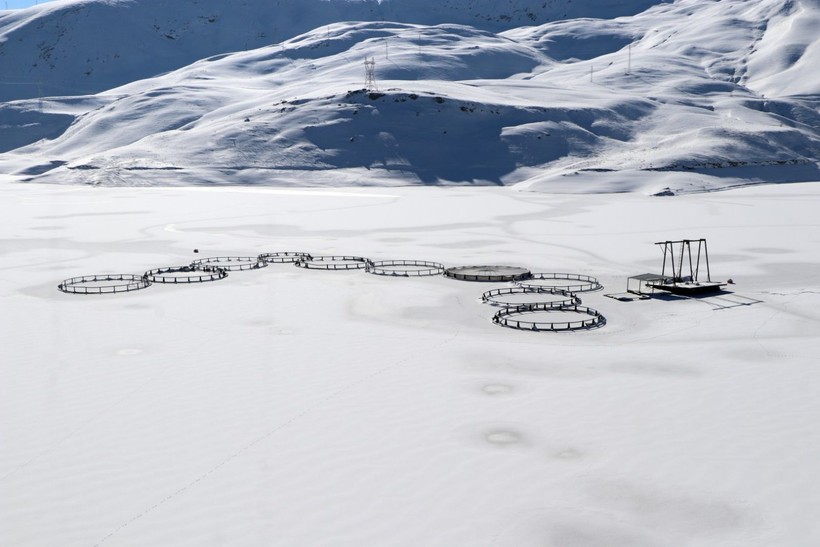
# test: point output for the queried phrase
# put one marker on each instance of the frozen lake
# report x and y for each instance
(287, 406)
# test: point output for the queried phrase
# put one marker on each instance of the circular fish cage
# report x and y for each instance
(405, 268)
(488, 273)
(333, 262)
(562, 281)
(510, 297)
(541, 317)
(286, 257)
(230, 263)
(104, 284)
(186, 274)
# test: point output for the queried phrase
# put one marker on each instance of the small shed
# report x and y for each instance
(644, 284)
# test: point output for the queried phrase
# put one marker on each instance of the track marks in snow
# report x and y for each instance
(102, 413)
(270, 433)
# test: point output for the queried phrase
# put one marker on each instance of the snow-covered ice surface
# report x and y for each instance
(295, 407)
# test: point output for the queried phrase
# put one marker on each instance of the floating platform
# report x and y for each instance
(688, 287)
(493, 274)
(643, 285)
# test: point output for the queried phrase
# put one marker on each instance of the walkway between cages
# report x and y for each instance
(542, 293)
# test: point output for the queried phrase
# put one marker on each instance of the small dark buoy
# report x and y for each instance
(196, 250)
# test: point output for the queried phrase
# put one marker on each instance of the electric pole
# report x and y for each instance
(629, 60)
(370, 73)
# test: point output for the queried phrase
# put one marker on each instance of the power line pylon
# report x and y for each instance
(370, 73)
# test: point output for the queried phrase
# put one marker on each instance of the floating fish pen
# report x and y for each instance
(104, 284)
(543, 317)
(185, 274)
(231, 263)
(333, 262)
(405, 268)
(491, 274)
(510, 297)
(563, 281)
(284, 257)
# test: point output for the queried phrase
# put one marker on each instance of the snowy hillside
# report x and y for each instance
(683, 96)
(86, 46)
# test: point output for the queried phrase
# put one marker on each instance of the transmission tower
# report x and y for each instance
(629, 60)
(370, 73)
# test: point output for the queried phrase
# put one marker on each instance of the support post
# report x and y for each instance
(691, 270)
(706, 253)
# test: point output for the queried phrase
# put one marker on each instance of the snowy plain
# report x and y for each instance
(293, 407)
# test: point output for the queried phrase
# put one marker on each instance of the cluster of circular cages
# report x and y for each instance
(523, 306)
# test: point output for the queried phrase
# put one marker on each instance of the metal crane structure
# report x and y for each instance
(680, 272)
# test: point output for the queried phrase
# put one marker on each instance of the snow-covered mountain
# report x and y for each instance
(87, 46)
(688, 95)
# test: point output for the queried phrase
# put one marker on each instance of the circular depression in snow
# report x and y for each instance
(503, 437)
(129, 351)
